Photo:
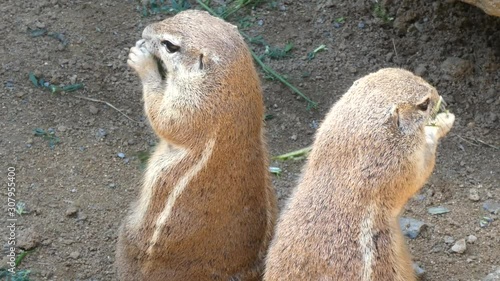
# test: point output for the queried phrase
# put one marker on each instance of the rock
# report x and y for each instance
(46, 242)
(74, 255)
(494, 276)
(411, 227)
(459, 247)
(474, 195)
(449, 240)
(71, 211)
(72, 79)
(491, 206)
(62, 128)
(81, 216)
(67, 241)
(419, 272)
(101, 133)
(456, 68)
(437, 210)
(40, 24)
(93, 109)
(491, 7)
(471, 239)
(121, 155)
(401, 22)
(19, 94)
(28, 239)
(420, 70)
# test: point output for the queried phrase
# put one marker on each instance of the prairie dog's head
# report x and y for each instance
(193, 43)
(407, 102)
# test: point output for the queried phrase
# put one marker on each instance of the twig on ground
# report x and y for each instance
(106, 103)
(394, 46)
(471, 140)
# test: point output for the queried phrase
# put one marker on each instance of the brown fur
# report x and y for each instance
(208, 114)
(371, 154)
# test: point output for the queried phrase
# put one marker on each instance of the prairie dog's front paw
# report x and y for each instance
(142, 61)
(440, 126)
(444, 121)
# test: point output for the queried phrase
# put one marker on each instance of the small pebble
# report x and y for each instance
(293, 137)
(40, 24)
(421, 70)
(19, 94)
(491, 206)
(474, 195)
(28, 239)
(438, 210)
(420, 272)
(361, 25)
(471, 239)
(93, 109)
(493, 276)
(74, 255)
(71, 211)
(9, 84)
(411, 227)
(101, 133)
(449, 240)
(72, 79)
(459, 247)
(62, 128)
(81, 217)
(121, 155)
(419, 27)
(46, 242)
(260, 22)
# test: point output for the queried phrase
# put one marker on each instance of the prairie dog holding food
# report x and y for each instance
(375, 149)
(207, 209)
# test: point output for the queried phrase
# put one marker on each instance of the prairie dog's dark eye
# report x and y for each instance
(424, 105)
(171, 48)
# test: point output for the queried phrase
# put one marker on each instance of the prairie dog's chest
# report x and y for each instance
(165, 158)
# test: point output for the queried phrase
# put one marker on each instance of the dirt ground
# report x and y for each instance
(77, 191)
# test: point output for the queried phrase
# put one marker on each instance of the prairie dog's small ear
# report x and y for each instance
(394, 116)
(206, 59)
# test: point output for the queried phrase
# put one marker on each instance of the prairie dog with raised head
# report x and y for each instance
(206, 209)
(374, 150)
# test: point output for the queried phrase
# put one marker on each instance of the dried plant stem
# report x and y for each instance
(108, 104)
